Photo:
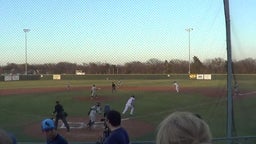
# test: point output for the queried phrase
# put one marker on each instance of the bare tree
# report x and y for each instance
(152, 66)
(197, 66)
(216, 65)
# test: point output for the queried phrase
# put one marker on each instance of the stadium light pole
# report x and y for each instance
(26, 55)
(189, 30)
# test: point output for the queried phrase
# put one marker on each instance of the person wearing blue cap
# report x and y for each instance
(52, 136)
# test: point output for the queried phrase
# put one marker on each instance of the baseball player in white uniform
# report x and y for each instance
(68, 86)
(236, 89)
(177, 87)
(129, 105)
(94, 91)
(92, 113)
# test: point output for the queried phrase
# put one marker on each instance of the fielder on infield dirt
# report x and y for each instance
(177, 87)
(236, 89)
(113, 85)
(94, 91)
(129, 105)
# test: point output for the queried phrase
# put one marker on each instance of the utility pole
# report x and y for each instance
(26, 54)
(189, 30)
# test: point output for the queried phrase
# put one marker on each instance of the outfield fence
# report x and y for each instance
(120, 77)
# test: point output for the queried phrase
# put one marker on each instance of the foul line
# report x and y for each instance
(248, 93)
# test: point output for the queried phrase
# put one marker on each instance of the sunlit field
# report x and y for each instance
(20, 110)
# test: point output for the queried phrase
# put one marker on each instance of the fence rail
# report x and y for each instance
(224, 140)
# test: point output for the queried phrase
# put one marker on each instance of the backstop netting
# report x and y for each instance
(56, 50)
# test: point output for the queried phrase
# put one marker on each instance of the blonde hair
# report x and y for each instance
(183, 128)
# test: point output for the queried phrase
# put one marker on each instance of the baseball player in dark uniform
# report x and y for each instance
(60, 114)
(113, 87)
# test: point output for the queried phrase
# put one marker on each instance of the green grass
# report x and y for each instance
(75, 83)
(20, 110)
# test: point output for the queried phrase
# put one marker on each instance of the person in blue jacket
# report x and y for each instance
(118, 134)
(52, 136)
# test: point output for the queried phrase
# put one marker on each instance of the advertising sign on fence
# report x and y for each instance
(207, 76)
(11, 77)
(56, 77)
(204, 76)
(199, 76)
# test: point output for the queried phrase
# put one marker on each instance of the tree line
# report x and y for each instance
(152, 66)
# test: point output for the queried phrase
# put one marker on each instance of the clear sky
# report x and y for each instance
(119, 31)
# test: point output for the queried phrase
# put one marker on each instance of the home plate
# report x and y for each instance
(80, 125)
(124, 119)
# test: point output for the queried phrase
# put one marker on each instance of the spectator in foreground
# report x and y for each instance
(118, 135)
(183, 128)
(52, 136)
(6, 138)
(106, 110)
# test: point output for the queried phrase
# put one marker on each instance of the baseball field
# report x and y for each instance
(24, 104)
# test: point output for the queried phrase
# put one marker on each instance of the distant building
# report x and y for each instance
(80, 72)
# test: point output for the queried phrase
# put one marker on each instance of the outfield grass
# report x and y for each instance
(20, 110)
(76, 83)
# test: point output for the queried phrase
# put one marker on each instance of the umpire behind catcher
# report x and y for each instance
(60, 114)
